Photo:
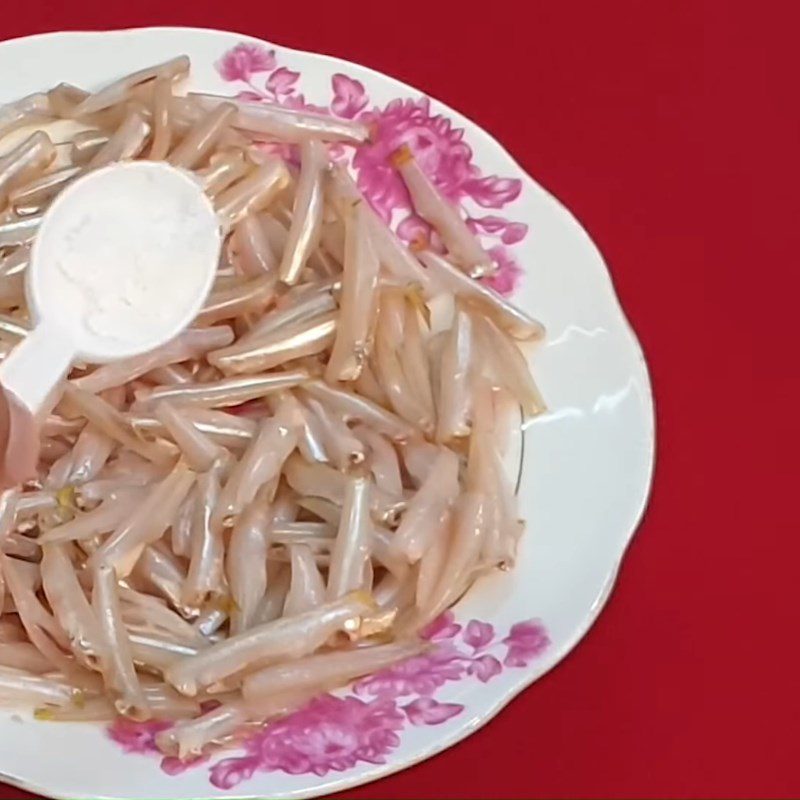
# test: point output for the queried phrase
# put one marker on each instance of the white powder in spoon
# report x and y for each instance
(123, 262)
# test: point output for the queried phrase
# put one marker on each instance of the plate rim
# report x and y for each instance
(379, 771)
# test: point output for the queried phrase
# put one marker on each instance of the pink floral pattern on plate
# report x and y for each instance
(438, 146)
(333, 733)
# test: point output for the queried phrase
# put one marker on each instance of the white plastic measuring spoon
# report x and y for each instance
(123, 261)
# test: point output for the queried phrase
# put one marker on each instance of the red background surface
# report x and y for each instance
(665, 127)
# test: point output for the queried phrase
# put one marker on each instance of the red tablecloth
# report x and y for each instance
(665, 128)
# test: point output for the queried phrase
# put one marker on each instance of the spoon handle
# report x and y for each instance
(33, 370)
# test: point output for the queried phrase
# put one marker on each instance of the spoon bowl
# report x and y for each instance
(124, 259)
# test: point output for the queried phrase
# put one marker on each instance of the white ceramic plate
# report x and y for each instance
(586, 472)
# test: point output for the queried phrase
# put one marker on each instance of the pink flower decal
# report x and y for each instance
(232, 771)
(137, 737)
(514, 232)
(242, 61)
(418, 234)
(329, 734)
(509, 232)
(349, 96)
(443, 627)
(415, 231)
(438, 147)
(422, 674)
(174, 766)
(484, 668)
(249, 97)
(427, 711)
(508, 274)
(478, 634)
(281, 81)
(493, 192)
(525, 641)
(297, 102)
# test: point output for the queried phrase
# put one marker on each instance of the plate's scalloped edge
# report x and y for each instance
(341, 783)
